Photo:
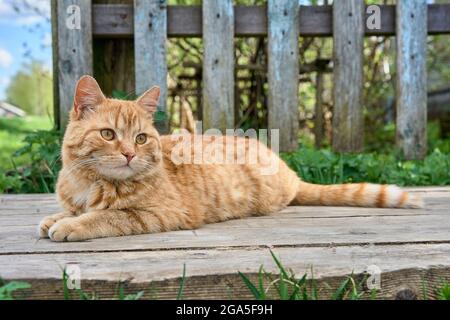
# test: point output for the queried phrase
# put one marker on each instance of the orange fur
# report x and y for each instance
(104, 193)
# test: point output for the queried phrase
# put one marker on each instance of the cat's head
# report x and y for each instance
(114, 139)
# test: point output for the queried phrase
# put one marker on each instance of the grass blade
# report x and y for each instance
(300, 283)
(340, 292)
(280, 266)
(282, 289)
(65, 288)
(183, 280)
(262, 292)
(250, 286)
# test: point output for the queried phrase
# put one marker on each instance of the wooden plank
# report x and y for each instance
(301, 226)
(74, 50)
(213, 273)
(186, 21)
(306, 232)
(348, 31)
(153, 266)
(283, 71)
(150, 25)
(411, 78)
(218, 65)
(298, 230)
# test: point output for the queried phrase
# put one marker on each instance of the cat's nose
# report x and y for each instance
(129, 156)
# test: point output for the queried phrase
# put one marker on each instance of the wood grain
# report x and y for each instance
(283, 71)
(186, 21)
(73, 49)
(300, 226)
(150, 25)
(218, 65)
(348, 30)
(411, 78)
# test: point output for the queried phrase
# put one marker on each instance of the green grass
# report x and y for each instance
(39, 164)
(12, 133)
(7, 289)
(284, 285)
(326, 167)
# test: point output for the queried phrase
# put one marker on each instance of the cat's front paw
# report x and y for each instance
(68, 229)
(45, 225)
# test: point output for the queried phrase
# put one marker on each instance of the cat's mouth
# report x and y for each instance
(118, 171)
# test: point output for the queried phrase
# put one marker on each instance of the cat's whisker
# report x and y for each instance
(76, 166)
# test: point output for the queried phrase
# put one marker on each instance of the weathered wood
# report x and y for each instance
(218, 65)
(409, 246)
(209, 270)
(300, 226)
(74, 50)
(185, 21)
(150, 25)
(283, 71)
(411, 78)
(296, 231)
(348, 31)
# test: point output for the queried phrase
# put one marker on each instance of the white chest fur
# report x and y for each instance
(80, 193)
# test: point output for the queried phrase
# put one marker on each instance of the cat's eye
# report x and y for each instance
(141, 138)
(107, 134)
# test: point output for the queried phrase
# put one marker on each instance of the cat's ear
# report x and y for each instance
(149, 99)
(88, 95)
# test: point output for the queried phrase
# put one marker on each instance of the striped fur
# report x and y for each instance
(357, 194)
(103, 195)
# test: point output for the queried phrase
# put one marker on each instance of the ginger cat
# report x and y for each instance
(119, 176)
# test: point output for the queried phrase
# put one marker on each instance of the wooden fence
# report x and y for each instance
(150, 22)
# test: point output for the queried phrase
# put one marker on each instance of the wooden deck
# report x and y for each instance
(409, 246)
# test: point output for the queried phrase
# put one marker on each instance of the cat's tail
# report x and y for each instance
(356, 195)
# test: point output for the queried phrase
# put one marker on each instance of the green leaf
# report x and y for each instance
(340, 292)
(262, 292)
(282, 288)
(250, 286)
(280, 266)
(7, 290)
(299, 284)
(160, 116)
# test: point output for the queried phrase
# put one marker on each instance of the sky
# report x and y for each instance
(25, 34)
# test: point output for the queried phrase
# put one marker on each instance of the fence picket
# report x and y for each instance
(73, 49)
(218, 64)
(411, 89)
(150, 35)
(348, 33)
(283, 29)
